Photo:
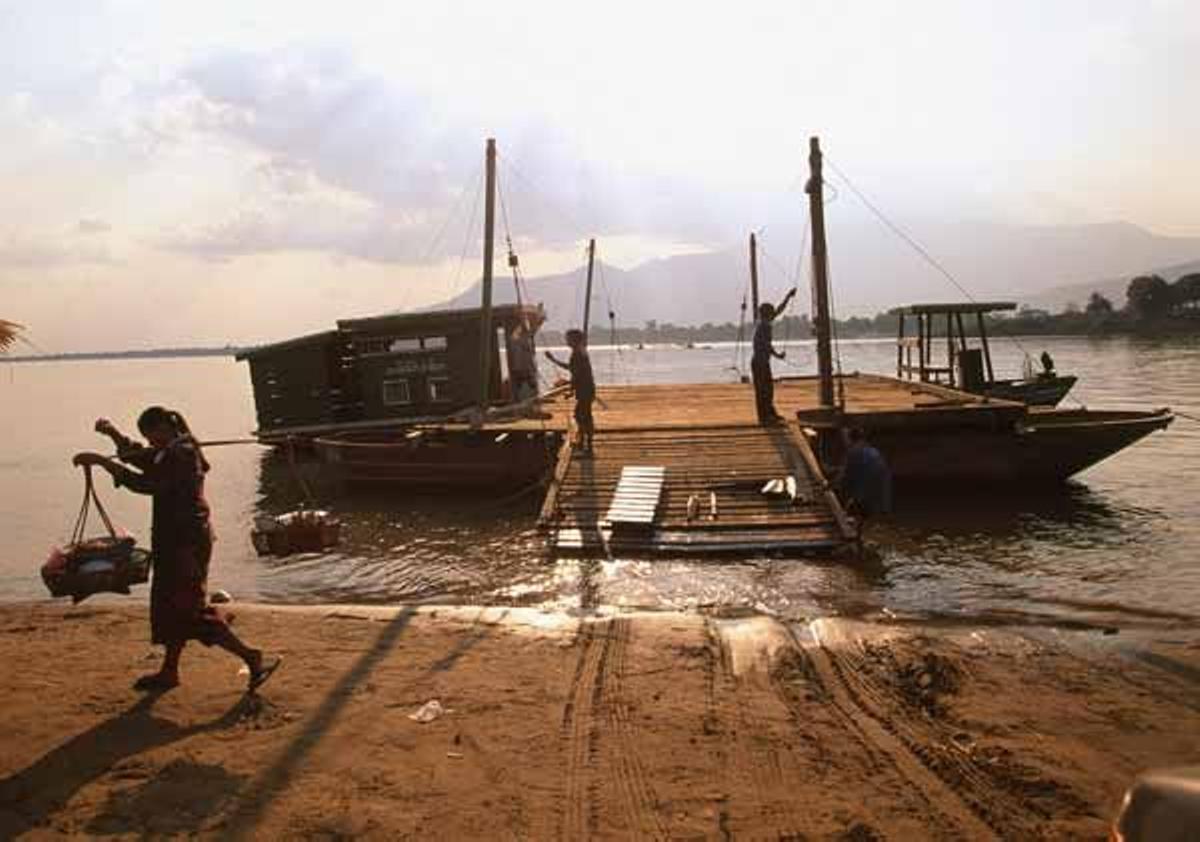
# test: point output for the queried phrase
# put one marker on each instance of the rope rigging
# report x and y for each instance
(467, 235)
(618, 360)
(919, 249)
(514, 263)
(436, 243)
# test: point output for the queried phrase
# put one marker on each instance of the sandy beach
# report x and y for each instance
(662, 725)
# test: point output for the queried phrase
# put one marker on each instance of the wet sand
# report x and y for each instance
(649, 725)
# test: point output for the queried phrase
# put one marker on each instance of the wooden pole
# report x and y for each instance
(987, 352)
(816, 209)
(587, 299)
(900, 349)
(753, 276)
(485, 316)
(922, 344)
(950, 348)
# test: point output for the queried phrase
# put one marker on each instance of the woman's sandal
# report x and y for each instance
(155, 683)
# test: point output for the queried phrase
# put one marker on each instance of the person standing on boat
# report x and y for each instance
(583, 383)
(1047, 365)
(760, 361)
(522, 363)
(171, 469)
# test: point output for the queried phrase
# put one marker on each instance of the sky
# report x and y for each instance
(215, 172)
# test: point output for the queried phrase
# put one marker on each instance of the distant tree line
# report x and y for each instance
(1152, 305)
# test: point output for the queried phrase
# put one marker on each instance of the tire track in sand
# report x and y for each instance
(638, 800)
(596, 727)
(894, 737)
(579, 734)
(758, 769)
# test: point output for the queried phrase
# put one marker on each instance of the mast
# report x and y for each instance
(485, 315)
(587, 299)
(754, 276)
(816, 209)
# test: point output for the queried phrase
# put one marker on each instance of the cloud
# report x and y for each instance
(92, 226)
(354, 163)
(46, 249)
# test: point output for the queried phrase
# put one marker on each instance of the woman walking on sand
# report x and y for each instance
(172, 470)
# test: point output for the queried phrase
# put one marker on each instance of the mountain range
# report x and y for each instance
(871, 270)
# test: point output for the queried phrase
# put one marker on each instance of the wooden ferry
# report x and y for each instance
(420, 401)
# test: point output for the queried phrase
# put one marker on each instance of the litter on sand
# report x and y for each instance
(428, 712)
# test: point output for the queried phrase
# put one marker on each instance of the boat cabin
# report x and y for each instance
(409, 367)
(967, 368)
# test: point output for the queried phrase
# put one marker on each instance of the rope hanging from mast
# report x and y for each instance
(513, 262)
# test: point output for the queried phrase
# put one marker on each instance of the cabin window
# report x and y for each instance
(439, 389)
(405, 345)
(371, 346)
(434, 343)
(396, 392)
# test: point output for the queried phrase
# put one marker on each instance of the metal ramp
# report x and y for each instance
(694, 490)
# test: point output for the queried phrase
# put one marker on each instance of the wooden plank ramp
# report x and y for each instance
(692, 490)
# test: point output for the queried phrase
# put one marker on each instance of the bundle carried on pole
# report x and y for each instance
(110, 563)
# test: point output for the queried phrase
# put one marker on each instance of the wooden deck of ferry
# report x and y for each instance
(715, 460)
(707, 497)
(684, 406)
(678, 468)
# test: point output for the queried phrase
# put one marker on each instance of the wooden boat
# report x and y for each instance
(942, 442)
(441, 457)
(1038, 446)
(403, 399)
(962, 366)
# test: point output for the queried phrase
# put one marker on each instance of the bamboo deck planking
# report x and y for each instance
(716, 405)
(730, 463)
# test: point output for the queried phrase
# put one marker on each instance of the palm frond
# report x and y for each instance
(9, 333)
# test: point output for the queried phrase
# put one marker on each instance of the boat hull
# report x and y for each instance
(1043, 391)
(1045, 446)
(443, 459)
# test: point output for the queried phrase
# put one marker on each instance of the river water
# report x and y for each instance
(1117, 546)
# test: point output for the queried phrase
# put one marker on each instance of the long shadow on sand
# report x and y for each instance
(259, 794)
(29, 798)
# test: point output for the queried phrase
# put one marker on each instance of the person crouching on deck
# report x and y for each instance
(172, 470)
(866, 479)
(583, 384)
(760, 362)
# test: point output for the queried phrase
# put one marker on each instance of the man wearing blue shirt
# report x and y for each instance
(760, 362)
(866, 481)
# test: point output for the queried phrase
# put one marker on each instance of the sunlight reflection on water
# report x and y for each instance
(1117, 545)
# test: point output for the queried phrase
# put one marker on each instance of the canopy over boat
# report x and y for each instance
(955, 307)
(962, 366)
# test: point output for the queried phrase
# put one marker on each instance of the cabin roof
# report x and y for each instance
(956, 307)
(286, 345)
(433, 320)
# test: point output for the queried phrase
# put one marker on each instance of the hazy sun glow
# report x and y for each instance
(175, 171)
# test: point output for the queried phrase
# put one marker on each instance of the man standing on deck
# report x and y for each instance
(760, 362)
(522, 365)
(583, 383)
